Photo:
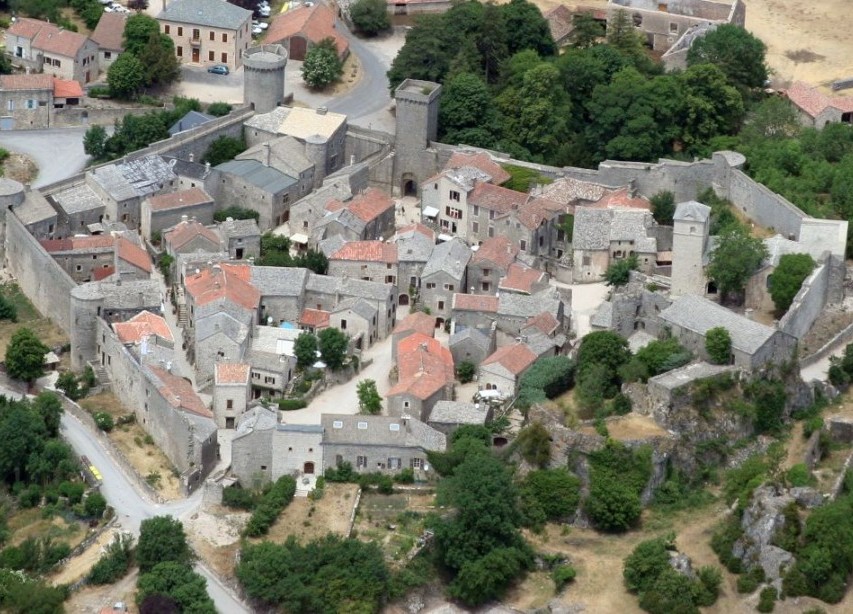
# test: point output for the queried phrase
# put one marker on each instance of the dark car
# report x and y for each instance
(219, 69)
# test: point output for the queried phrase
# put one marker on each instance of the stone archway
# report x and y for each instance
(404, 300)
(308, 468)
(408, 185)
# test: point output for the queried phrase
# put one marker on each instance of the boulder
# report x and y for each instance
(760, 522)
(807, 497)
(681, 563)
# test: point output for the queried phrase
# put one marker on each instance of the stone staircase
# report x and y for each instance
(305, 484)
(100, 372)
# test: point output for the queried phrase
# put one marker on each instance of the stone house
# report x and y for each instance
(109, 37)
(192, 119)
(502, 370)
(754, 345)
(80, 210)
(314, 320)
(307, 211)
(357, 318)
(815, 109)
(164, 211)
(207, 33)
(690, 242)
(414, 247)
(287, 155)
(301, 28)
(323, 293)
(515, 310)
(259, 187)
(522, 279)
(368, 216)
(83, 258)
(604, 236)
(132, 262)
(443, 276)
(426, 375)
(474, 311)
(231, 392)
(282, 293)
(415, 322)
(190, 236)
(379, 443)
(43, 46)
(470, 344)
(447, 416)
(240, 238)
(272, 359)
(26, 101)
(367, 260)
(490, 263)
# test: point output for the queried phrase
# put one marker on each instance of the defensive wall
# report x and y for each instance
(807, 304)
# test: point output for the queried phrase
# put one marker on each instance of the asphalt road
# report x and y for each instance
(58, 152)
(371, 94)
(132, 507)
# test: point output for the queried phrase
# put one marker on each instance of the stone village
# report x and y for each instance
(430, 258)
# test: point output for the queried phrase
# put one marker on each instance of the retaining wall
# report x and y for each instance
(807, 304)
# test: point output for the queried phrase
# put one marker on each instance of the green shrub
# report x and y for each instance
(549, 494)
(291, 404)
(722, 540)
(465, 371)
(815, 423)
(342, 473)
(219, 109)
(617, 477)
(386, 485)
(104, 421)
(562, 575)
(767, 599)
(270, 506)
(236, 213)
(799, 475)
(114, 563)
(239, 498)
(99, 92)
(621, 404)
(406, 476)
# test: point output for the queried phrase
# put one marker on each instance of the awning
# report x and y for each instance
(443, 237)
(430, 212)
(299, 238)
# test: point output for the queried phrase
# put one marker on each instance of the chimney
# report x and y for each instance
(184, 219)
(192, 157)
(251, 260)
(206, 169)
(748, 314)
(266, 154)
(322, 110)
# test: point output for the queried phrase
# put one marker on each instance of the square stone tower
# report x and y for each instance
(691, 226)
(417, 125)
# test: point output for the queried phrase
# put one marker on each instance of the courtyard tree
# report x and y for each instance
(467, 112)
(618, 273)
(465, 371)
(369, 400)
(137, 31)
(788, 278)
(735, 51)
(223, 149)
(95, 141)
(322, 66)
(159, 59)
(162, 539)
(586, 31)
(736, 258)
(126, 76)
(370, 17)
(25, 356)
(663, 207)
(305, 349)
(333, 345)
(718, 344)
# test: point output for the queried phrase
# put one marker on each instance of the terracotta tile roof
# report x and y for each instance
(182, 198)
(142, 325)
(314, 23)
(514, 358)
(500, 250)
(231, 373)
(179, 393)
(186, 231)
(622, 199)
(60, 42)
(366, 206)
(424, 366)
(537, 209)
(109, 33)
(813, 102)
(369, 251)
(417, 322)
(26, 82)
(133, 254)
(83, 244)
(479, 160)
(475, 302)
(496, 198)
(27, 27)
(222, 282)
(66, 88)
(99, 274)
(545, 322)
(520, 278)
(559, 22)
(567, 191)
(417, 227)
(315, 318)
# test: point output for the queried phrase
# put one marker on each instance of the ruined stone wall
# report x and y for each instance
(807, 304)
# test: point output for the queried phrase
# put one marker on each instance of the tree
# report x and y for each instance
(67, 383)
(333, 346)
(534, 444)
(555, 491)
(178, 581)
(114, 562)
(369, 400)
(465, 371)
(162, 539)
(586, 31)
(8, 311)
(322, 66)
(159, 59)
(648, 560)
(48, 406)
(787, 279)
(735, 259)
(738, 53)
(603, 347)
(718, 344)
(305, 350)
(467, 112)
(95, 505)
(219, 109)
(94, 141)
(222, 149)
(712, 107)
(137, 5)
(663, 207)
(125, 76)
(623, 36)
(236, 213)
(370, 17)
(159, 604)
(619, 273)
(137, 32)
(25, 356)
(527, 29)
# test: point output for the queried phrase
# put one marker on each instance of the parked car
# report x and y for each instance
(264, 11)
(256, 31)
(218, 69)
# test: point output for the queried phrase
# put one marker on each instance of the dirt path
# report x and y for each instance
(80, 565)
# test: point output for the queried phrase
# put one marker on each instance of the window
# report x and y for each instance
(79, 267)
(475, 227)
(179, 51)
(229, 404)
(491, 215)
(491, 231)
(337, 424)
(486, 272)
(263, 467)
(196, 34)
(210, 55)
(486, 286)
(394, 426)
(167, 28)
(394, 463)
(224, 37)
(108, 55)
(449, 287)
(476, 210)
(180, 31)
(417, 463)
(454, 195)
(673, 28)
(440, 305)
(10, 105)
(586, 261)
(224, 58)
(362, 426)
(430, 286)
(361, 461)
(523, 245)
(343, 324)
(212, 36)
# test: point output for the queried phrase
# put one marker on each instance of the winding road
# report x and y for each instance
(371, 94)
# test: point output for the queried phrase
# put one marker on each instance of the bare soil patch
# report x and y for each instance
(28, 316)
(828, 324)
(19, 167)
(91, 599)
(394, 522)
(632, 426)
(215, 535)
(305, 519)
(80, 565)
(29, 523)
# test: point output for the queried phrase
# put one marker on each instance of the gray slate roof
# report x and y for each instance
(221, 322)
(213, 13)
(475, 335)
(268, 122)
(458, 412)
(137, 177)
(358, 306)
(592, 229)
(344, 217)
(687, 374)
(185, 168)
(266, 178)
(137, 294)
(77, 199)
(450, 257)
(257, 418)
(596, 228)
(526, 306)
(413, 246)
(323, 284)
(189, 121)
(279, 281)
(692, 211)
(285, 154)
(412, 434)
(239, 228)
(331, 245)
(35, 208)
(700, 315)
(603, 316)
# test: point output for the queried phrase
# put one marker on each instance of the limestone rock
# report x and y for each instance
(761, 521)
(807, 497)
(681, 563)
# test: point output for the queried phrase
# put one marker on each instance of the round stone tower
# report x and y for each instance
(86, 303)
(11, 193)
(263, 77)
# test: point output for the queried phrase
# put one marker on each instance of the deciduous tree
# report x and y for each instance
(369, 400)
(718, 344)
(223, 149)
(322, 66)
(162, 539)
(305, 349)
(735, 259)
(788, 278)
(25, 356)
(333, 346)
(737, 52)
(126, 76)
(370, 17)
(178, 581)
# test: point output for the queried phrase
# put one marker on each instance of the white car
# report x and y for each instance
(263, 25)
(256, 31)
(109, 9)
(264, 11)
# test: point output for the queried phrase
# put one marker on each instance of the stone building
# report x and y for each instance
(43, 46)
(443, 276)
(356, 317)
(260, 188)
(301, 28)
(417, 109)
(690, 246)
(523, 279)
(815, 109)
(368, 216)
(207, 33)
(164, 211)
(26, 101)
(272, 360)
(108, 35)
(447, 416)
(490, 263)
(240, 238)
(83, 258)
(231, 392)
(470, 344)
(324, 293)
(190, 236)
(368, 260)
(415, 322)
(502, 370)
(414, 247)
(122, 186)
(426, 375)
(283, 293)
(478, 311)
(286, 155)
